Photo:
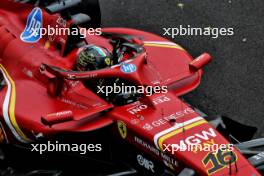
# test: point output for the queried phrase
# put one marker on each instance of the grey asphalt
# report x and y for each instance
(233, 84)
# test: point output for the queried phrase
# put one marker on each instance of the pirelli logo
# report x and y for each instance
(160, 137)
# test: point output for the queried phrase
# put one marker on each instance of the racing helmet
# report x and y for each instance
(93, 57)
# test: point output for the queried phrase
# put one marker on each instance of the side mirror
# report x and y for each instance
(57, 117)
(200, 61)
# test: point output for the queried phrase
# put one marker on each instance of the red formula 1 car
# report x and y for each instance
(45, 100)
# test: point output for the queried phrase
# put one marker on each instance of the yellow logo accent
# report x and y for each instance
(175, 132)
(47, 45)
(122, 129)
(107, 61)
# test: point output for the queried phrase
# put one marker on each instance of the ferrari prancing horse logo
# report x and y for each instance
(122, 129)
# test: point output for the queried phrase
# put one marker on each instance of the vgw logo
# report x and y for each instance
(32, 31)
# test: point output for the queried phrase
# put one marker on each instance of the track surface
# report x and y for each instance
(233, 84)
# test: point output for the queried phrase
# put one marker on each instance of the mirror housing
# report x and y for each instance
(200, 61)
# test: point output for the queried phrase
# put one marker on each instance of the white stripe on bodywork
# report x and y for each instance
(6, 109)
(175, 127)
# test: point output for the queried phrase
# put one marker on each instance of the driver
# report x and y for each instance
(93, 57)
